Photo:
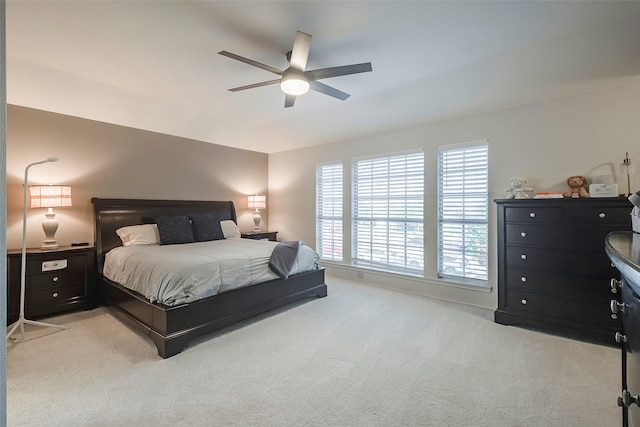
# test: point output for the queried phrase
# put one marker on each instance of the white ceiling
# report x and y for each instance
(154, 65)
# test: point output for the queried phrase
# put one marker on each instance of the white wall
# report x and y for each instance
(545, 142)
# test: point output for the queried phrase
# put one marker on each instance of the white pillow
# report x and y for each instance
(146, 234)
(229, 229)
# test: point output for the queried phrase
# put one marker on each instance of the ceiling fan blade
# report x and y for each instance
(251, 86)
(328, 90)
(300, 51)
(325, 73)
(251, 62)
(289, 100)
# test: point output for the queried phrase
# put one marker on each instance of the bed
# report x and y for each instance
(171, 328)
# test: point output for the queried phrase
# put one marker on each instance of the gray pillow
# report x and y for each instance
(175, 229)
(206, 227)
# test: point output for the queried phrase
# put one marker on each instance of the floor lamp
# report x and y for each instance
(21, 319)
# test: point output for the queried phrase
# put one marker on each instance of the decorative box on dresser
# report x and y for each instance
(624, 250)
(553, 272)
(55, 281)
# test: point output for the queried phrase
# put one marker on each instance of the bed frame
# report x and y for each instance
(172, 328)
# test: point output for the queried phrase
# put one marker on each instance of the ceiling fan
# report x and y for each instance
(295, 81)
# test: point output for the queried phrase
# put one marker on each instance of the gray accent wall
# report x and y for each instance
(103, 160)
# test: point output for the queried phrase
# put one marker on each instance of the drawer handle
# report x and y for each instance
(523, 256)
(620, 338)
(616, 308)
(627, 399)
(602, 215)
(523, 279)
(55, 295)
(56, 278)
(532, 214)
(523, 234)
(615, 284)
(524, 302)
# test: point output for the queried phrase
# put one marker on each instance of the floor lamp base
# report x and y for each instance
(22, 321)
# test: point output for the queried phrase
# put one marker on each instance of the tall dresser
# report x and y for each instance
(553, 272)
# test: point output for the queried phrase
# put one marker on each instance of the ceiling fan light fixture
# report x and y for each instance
(294, 84)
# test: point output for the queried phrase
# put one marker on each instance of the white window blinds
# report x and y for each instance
(388, 212)
(463, 211)
(329, 192)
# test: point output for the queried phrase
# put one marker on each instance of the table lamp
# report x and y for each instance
(49, 196)
(257, 202)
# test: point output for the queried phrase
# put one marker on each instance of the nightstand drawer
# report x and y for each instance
(52, 296)
(73, 262)
(51, 278)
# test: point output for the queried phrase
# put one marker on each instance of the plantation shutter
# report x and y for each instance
(388, 212)
(329, 193)
(463, 211)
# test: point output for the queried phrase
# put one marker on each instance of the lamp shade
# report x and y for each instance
(257, 202)
(49, 196)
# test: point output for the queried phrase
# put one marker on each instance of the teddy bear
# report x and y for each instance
(577, 184)
(517, 189)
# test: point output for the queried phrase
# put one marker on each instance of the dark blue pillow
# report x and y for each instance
(206, 227)
(174, 229)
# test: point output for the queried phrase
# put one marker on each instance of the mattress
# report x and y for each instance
(180, 274)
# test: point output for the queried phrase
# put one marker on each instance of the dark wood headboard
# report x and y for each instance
(111, 214)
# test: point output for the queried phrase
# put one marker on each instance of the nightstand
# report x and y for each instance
(55, 281)
(260, 235)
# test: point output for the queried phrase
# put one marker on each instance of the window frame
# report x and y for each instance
(383, 224)
(333, 239)
(470, 264)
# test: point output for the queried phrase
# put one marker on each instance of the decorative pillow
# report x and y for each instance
(146, 234)
(229, 229)
(175, 229)
(206, 227)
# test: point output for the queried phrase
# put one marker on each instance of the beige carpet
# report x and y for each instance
(363, 356)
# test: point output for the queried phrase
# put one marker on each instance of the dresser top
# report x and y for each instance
(567, 202)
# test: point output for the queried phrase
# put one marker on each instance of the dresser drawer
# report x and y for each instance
(599, 216)
(575, 237)
(585, 263)
(54, 295)
(548, 308)
(534, 214)
(558, 284)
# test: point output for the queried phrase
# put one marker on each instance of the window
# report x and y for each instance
(463, 211)
(329, 180)
(388, 212)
